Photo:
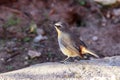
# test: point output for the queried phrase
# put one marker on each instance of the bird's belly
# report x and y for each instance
(69, 53)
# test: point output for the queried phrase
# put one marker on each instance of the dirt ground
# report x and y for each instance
(98, 26)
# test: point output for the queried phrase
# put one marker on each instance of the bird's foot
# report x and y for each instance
(64, 61)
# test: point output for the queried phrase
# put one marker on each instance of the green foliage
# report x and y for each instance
(9, 67)
(49, 54)
(81, 2)
(26, 39)
(12, 21)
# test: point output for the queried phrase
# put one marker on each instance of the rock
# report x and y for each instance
(106, 2)
(116, 12)
(97, 69)
(39, 38)
(26, 63)
(94, 38)
(2, 59)
(26, 58)
(34, 54)
(40, 31)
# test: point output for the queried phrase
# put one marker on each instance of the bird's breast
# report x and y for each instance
(71, 51)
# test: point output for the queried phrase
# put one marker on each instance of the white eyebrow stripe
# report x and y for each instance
(58, 24)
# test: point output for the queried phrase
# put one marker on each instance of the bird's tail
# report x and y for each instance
(84, 51)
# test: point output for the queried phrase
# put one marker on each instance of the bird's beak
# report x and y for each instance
(56, 28)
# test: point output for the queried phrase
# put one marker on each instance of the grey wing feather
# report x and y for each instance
(69, 44)
(65, 43)
(77, 42)
(82, 43)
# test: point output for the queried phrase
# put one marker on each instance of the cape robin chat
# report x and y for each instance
(68, 45)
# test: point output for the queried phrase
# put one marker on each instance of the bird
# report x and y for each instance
(68, 45)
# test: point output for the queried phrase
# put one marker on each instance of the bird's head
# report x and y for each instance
(59, 26)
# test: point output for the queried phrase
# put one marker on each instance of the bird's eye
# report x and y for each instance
(57, 26)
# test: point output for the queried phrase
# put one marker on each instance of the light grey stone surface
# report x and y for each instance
(98, 69)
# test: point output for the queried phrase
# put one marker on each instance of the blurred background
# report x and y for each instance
(28, 36)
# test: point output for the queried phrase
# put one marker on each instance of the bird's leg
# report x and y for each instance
(65, 59)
